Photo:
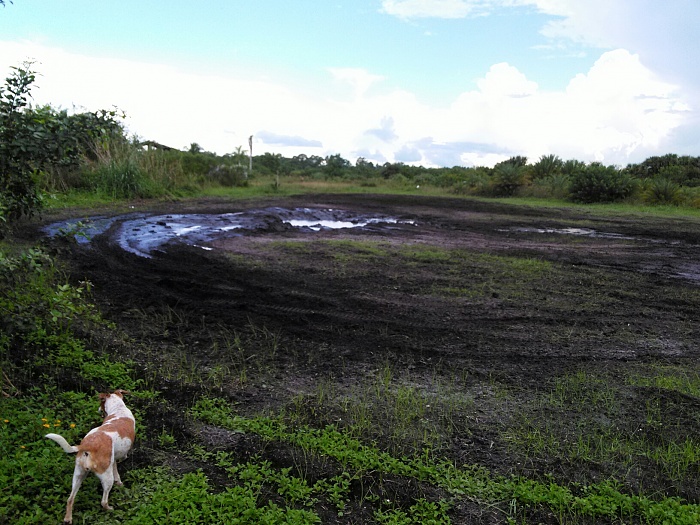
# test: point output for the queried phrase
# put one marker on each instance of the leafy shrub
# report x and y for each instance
(465, 181)
(684, 170)
(598, 183)
(572, 166)
(506, 180)
(38, 313)
(226, 175)
(19, 148)
(661, 190)
(196, 163)
(682, 174)
(556, 186)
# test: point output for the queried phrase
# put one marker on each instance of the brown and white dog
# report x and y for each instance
(100, 449)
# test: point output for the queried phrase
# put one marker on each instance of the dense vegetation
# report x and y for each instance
(56, 350)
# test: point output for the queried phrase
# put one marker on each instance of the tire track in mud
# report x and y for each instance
(363, 314)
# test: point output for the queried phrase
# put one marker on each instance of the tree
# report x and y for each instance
(365, 168)
(390, 170)
(572, 166)
(507, 178)
(518, 160)
(335, 165)
(547, 166)
(269, 163)
(19, 147)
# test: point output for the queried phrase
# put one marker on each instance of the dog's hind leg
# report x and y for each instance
(107, 479)
(78, 476)
(117, 479)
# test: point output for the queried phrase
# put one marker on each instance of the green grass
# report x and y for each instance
(264, 186)
(675, 378)
(600, 209)
(599, 436)
(403, 415)
(463, 273)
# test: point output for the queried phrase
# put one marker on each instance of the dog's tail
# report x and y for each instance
(67, 448)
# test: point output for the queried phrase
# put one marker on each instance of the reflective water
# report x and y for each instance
(586, 232)
(144, 234)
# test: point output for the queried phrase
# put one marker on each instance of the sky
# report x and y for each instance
(423, 82)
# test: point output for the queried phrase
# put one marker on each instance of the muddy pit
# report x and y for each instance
(143, 234)
(349, 283)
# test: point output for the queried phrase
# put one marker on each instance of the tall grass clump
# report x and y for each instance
(117, 173)
(552, 186)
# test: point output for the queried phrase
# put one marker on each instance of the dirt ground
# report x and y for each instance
(614, 293)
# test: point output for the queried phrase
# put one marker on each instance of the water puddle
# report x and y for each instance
(583, 232)
(142, 235)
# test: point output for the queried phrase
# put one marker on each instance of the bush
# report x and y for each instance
(474, 181)
(598, 183)
(226, 175)
(507, 178)
(556, 186)
(662, 190)
(547, 166)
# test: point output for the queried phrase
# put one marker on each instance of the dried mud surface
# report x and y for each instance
(344, 319)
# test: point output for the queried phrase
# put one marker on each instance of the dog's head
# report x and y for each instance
(105, 396)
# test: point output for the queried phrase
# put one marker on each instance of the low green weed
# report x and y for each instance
(190, 500)
(602, 500)
(668, 377)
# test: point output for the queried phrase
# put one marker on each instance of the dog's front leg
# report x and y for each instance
(78, 476)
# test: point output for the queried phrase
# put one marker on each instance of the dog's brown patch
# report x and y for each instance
(95, 452)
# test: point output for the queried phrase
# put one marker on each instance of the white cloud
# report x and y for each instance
(165, 104)
(616, 109)
(359, 79)
(504, 80)
(451, 9)
(407, 9)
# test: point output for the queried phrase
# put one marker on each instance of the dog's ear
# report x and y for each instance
(103, 398)
(121, 392)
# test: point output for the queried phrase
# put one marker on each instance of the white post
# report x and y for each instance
(250, 156)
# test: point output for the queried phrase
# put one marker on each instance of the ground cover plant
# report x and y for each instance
(473, 365)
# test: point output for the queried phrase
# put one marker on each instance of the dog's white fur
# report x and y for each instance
(100, 449)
